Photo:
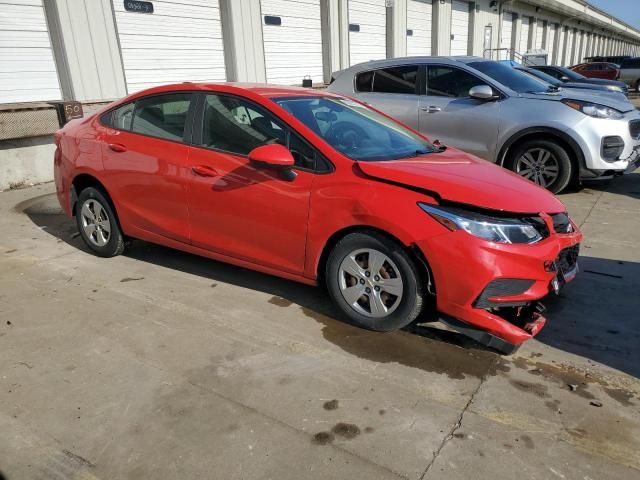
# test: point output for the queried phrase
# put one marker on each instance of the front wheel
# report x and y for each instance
(544, 162)
(374, 282)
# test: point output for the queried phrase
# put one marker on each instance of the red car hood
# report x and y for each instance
(459, 177)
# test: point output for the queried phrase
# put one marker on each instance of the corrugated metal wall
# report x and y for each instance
(27, 66)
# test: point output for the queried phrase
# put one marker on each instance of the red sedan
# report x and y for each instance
(605, 70)
(320, 189)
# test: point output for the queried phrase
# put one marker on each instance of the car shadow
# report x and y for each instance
(594, 316)
(625, 185)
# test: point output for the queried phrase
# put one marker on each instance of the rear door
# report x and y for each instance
(240, 210)
(394, 90)
(145, 160)
(448, 114)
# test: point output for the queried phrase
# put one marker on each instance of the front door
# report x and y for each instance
(237, 209)
(448, 114)
(145, 163)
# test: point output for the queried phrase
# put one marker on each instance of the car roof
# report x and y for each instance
(388, 62)
(261, 89)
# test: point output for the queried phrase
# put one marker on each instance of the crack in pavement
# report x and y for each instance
(458, 422)
(595, 204)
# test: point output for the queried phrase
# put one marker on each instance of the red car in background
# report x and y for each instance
(605, 70)
(320, 189)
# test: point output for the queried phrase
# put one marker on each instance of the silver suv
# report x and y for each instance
(546, 134)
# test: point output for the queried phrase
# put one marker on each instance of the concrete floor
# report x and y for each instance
(162, 365)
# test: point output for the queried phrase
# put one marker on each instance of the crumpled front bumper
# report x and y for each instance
(464, 267)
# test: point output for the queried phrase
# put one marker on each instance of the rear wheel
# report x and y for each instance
(544, 162)
(374, 282)
(97, 223)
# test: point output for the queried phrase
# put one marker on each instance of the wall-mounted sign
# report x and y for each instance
(68, 111)
(138, 6)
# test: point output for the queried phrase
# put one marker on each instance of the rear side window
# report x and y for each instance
(396, 80)
(551, 71)
(450, 82)
(631, 63)
(162, 116)
(121, 117)
(364, 81)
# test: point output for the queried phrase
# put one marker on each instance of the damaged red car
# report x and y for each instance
(321, 189)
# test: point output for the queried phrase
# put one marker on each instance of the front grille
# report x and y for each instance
(567, 258)
(634, 129)
(561, 223)
(502, 287)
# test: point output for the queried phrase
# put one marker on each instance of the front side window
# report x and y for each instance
(443, 81)
(162, 116)
(396, 80)
(354, 129)
(238, 126)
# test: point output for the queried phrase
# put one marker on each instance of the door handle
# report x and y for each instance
(431, 109)
(117, 147)
(204, 171)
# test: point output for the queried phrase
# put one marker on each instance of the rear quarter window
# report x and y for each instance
(364, 81)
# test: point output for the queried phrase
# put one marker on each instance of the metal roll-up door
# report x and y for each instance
(539, 35)
(367, 30)
(523, 45)
(459, 28)
(27, 67)
(180, 41)
(419, 27)
(553, 55)
(292, 38)
(506, 35)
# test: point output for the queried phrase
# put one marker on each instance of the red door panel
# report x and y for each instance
(246, 212)
(147, 178)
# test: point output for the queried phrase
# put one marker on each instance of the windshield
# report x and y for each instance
(355, 130)
(542, 76)
(510, 77)
(571, 74)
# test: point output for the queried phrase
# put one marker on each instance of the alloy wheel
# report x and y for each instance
(95, 222)
(370, 282)
(539, 165)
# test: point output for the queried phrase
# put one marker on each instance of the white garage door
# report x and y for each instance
(568, 58)
(561, 45)
(367, 30)
(292, 40)
(539, 34)
(419, 27)
(459, 27)
(180, 41)
(27, 69)
(506, 35)
(551, 45)
(523, 46)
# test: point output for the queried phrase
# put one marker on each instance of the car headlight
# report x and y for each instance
(491, 229)
(593, 109)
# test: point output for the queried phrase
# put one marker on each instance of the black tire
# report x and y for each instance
(558, 151)
(412, 299)
(115, 241)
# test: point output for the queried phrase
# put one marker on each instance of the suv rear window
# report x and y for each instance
(630, 63)
(402, 79)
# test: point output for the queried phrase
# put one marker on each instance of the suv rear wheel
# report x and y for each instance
(374, 282)
(544, 162)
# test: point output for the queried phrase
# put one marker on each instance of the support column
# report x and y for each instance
(441, 28)
(396, 28)
(242, 37)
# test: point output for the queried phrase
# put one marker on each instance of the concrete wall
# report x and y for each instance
(26, 161)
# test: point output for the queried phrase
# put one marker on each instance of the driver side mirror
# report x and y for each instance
(274, 156)
(483, 92)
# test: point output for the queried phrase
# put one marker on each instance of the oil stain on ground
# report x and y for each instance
(331, 405)
(408, 349)
(280, 302)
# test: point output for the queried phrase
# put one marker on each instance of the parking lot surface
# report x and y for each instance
(161, 364)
